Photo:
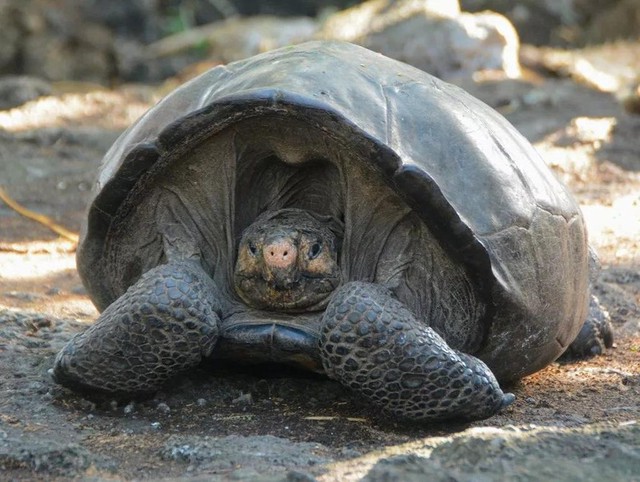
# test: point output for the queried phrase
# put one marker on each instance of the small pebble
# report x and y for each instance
(155, 425)
(129, 408)
(350, 453)
(262, 387)
(79, 290)
(36, 386)
(163, 407)
(201, 402)
(498, 443)
(20, 295)
(243, 399)
(297, 476)
(87, 405)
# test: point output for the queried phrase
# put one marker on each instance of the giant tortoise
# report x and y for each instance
(327, 206)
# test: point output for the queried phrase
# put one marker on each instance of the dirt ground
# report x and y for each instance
(230, 423)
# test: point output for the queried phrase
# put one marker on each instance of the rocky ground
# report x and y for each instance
(575, 421)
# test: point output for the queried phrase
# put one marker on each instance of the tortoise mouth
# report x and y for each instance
(301, 294)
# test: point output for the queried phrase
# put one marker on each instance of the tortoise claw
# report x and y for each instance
(507, 400)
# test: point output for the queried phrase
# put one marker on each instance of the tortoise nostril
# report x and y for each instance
(284, 253)
(280, 253)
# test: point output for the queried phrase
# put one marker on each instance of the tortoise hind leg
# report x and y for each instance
(165, 323)
(595, 335)
(372, 343)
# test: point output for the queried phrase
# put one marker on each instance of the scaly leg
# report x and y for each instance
(595, 335)
(165, 323)
(373, 344)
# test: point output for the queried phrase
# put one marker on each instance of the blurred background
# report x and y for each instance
(115, 42)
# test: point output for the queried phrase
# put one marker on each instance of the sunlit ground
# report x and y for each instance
(621, 220)
(609, 195)
(41, 276)
(99, 109)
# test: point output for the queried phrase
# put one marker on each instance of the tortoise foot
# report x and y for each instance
(164, 324)
(373, 344)
(595, 336)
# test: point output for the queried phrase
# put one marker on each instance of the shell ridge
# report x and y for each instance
(387, 115)
(510, 283)
(528, 224)
(209, 92)
(492, 135)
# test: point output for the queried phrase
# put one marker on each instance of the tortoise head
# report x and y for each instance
(288, 261)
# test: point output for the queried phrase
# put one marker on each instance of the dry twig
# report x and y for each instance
(40, 218)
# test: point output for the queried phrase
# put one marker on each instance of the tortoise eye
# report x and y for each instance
(252, 248)
(315, 250)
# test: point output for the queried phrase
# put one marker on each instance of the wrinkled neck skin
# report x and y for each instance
(287, 261)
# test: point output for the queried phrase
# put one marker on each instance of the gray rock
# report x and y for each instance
(236, 38)
(10, 35)
(590, 453)
(86, 55)
(433, 36)
(45, 456)
(17, 90)
(265, 454)
(566, 22)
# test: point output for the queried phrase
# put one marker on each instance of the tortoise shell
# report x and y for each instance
(341, 119)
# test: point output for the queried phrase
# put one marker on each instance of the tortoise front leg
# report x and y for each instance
(373, 344)
(165, 323)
